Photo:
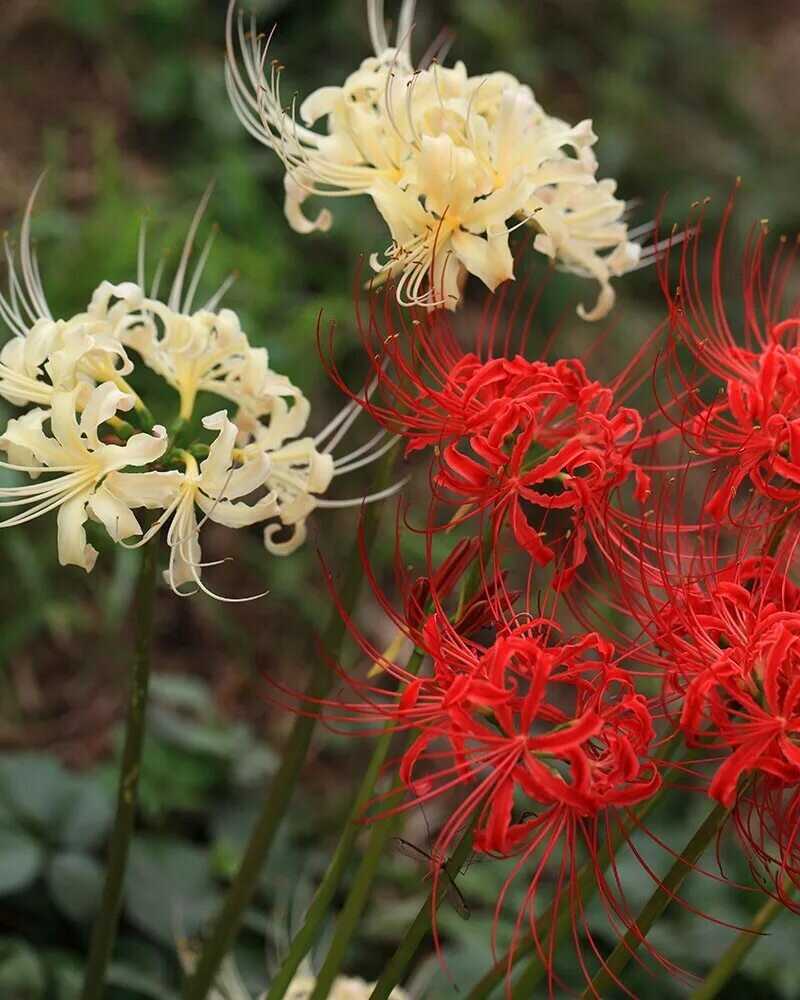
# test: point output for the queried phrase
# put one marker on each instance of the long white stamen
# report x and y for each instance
(159, 272)
(37, 275)
(377, 26)
(405, 26)
(331, 426)
(18, 300)
(46, 505)
(174, 301)
(370, 498)
(155, 527)
(198, 272)
(219, 295)
(360, 451)
(36, 490)
(344, 428)
(28, 271)
(643, 230)
(350, 466)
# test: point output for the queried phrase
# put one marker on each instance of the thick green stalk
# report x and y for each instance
(738, 951)
(663, 895)
(242, 889)
(105, 927)
(359, 892)
(347, 921)
(405, 951)
(320, 905)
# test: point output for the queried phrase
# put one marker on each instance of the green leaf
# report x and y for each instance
(21, 860)
(66, 975)
(180, 691)
(76, 885)
(138, 983)
(216, 740)
(88, 816)
(173, 779)
(21, 974)
(169, 888)
(35, 788)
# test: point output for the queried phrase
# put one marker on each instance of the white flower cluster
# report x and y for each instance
(91, 449)
(449, 160)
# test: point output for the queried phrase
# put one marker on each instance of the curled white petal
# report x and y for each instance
(447, 158)
(80, 463)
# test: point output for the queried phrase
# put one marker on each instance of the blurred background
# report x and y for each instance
(123, 102)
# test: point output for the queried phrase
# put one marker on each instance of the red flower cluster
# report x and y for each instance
(717, 597)
(731, 657)
(751, 429)
(557, 722)
(540, 435)
(515, 441)
(726, 642)
(756, 422)
(547, 744)
(541, 742)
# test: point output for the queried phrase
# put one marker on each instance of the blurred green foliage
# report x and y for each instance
(124, 103)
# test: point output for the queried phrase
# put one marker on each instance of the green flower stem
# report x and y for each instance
(144, 414)
(347, 921)
(242, 889)
(407, 949)
(663, 895)
(739, 950)
(320, 905)
(359, 892)
(105, 928)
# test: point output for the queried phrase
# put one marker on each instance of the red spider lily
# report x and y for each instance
(767, 821)
(544, 741)
(489, 704)
(515, 440)
(711, 620)
(529, 460)
(747, 705)
(751, 430)
(725, 633)
(747, 701)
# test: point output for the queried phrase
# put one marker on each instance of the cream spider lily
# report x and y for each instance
(215, 486)
(452, 162)
(80, 463)
(204, 349)
(260, 468)
(47, 355)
